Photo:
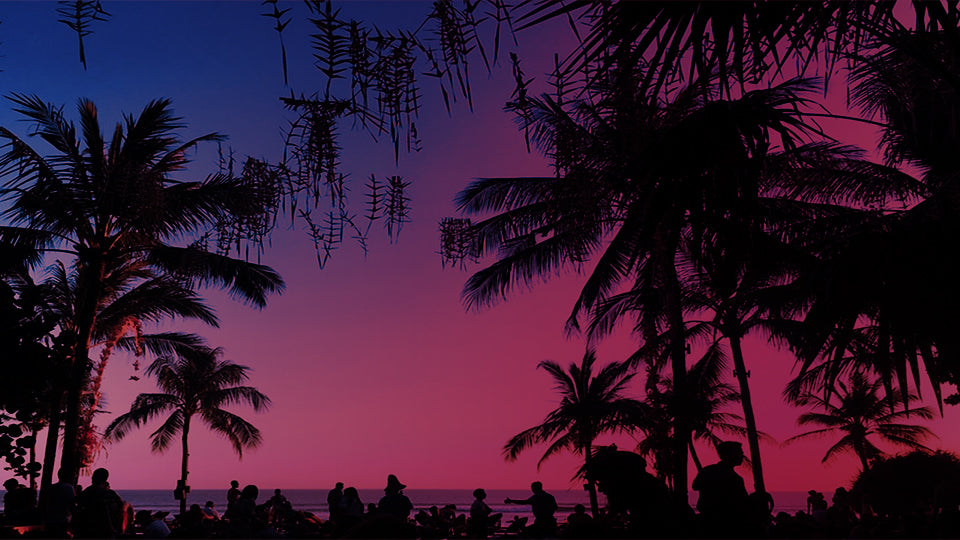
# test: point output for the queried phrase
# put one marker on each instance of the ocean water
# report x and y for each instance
(315, 500)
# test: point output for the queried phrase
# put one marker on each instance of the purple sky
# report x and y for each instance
(373, 364)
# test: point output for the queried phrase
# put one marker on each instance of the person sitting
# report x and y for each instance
(19, 503)
(350, 512)
(100, 511)
(151, 524)
(193, 524)
(244, 520)
(393, 512)
(482, 519)
(517, 525)
(580, 523)
(210, 512)
(394, 502)
(279, 507)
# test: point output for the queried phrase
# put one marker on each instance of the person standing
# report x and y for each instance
(233, 494)
(543, 505)
(333, 501)
(61, 505)
(723, 503)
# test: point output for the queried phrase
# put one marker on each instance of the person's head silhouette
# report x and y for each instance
(731, 453)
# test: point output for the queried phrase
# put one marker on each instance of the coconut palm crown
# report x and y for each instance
(110, 203)
(194, 383)
(591, 405)
(862, 412)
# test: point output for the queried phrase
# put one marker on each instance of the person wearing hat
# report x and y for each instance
(723, 502)
(394, 502)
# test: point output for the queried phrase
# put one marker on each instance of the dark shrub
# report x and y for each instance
(905, 484)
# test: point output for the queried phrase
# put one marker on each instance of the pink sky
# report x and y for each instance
(373, 365)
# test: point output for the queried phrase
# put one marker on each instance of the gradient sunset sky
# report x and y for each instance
(373, 364)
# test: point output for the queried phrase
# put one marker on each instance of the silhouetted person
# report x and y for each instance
(350, 511)
(151, 525)
(580, 524)
(19, 503)
(394, 502)
(61, 501)
(333, 501)
(210, 511)
(723, 501)
(279, 507)
(759, 514)
(623, 478)
(100, 511)
(244, 520)
(233, 494)
(482, 518)
(817, 505)
(543, 506)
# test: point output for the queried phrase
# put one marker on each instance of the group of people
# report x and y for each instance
(637, 499)
(389, 517)
(94, 512)
(99, 512)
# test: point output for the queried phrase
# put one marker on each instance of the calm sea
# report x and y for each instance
(315, 500)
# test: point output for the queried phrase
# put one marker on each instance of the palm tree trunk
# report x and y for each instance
(862, 454)
(678, 365)
(591, 485)
(695, 457)
(183, 465)
(91, 284)
(753, 436)
(70, 454)
(34, 431)
(50, 448)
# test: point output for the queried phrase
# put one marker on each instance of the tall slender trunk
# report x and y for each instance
(91, 284)
(591, 485)
(678, 365)
(862, 454)
(753, 436)
(34, 431)
(54, 418)
(695, 457)
(183, 464)
(79, 374)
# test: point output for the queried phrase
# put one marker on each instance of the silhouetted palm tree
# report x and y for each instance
(194, 383)
(708, 401)
(894, 274)
(133, 296)
(743, 42)
(591, 405)
(861, 411)
(637, 178)
(109, 203)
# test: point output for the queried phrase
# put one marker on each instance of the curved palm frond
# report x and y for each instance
(239, 432)
(246, 281)
(145, 408)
